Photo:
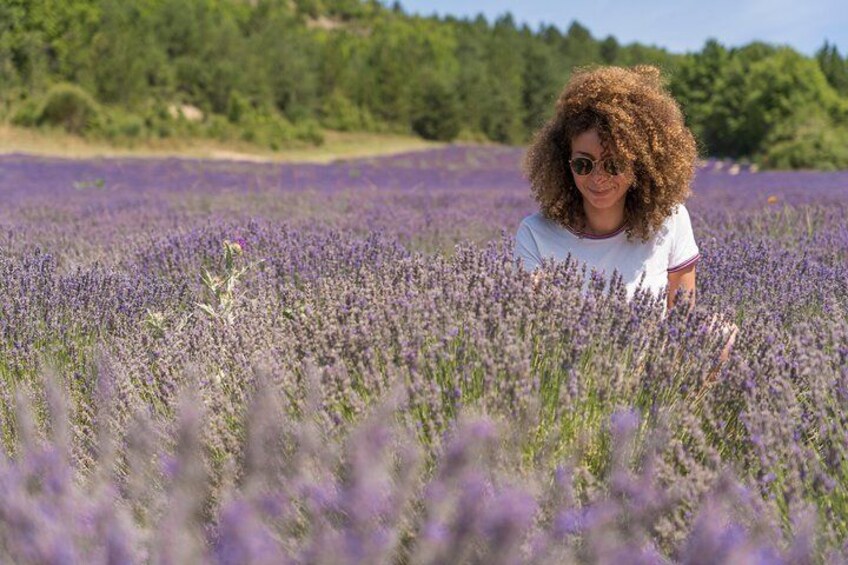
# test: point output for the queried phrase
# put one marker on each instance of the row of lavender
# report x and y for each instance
(342, 382)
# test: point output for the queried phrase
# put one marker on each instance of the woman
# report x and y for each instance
(611, 172)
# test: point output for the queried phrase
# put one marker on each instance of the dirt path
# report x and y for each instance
(337, 145)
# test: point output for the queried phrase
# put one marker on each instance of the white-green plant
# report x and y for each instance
(221, 288)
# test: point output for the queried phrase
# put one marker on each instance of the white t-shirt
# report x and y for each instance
(671, 249)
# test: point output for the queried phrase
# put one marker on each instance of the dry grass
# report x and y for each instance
(337, 145)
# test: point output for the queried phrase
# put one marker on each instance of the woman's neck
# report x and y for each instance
(600, 222)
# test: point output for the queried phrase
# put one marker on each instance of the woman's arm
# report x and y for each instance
(685, 279)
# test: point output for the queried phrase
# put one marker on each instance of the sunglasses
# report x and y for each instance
(583, 166)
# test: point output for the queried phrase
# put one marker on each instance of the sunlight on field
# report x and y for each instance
(337, 145)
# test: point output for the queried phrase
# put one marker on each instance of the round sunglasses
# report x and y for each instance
(583, 166)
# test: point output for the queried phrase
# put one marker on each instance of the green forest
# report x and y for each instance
(282, 72)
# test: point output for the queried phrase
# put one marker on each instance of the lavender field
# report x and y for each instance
(221, 362)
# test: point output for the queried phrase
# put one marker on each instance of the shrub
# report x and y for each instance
(238, 107)
(70, 107)
(812, 142)
(339, 113)
(159, 123)
(274, 131)
(310, 131)
(115, 124)
(28, 114)
(218, 127)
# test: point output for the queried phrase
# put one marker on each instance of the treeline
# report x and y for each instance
(280, 71)
(766, 103)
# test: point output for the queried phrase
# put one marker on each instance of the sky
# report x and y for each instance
(677, 25)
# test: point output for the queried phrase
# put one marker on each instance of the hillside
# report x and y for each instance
(278, 74)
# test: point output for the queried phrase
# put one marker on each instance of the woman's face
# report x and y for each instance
(600, 190)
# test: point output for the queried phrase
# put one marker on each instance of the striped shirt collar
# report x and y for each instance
(585, 235)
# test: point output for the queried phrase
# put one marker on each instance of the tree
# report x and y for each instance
(609, 50)
(696, 84)
(436, 114)
(503, 108)
(284, 56)
(539, 84)
(129, 59)
(472, 83)
(760, 90)
(579, 47)
(835, 69)
(779, 87)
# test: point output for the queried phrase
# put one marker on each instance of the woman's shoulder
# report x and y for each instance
(680, 212)
(541, 226)
(678, 217)
(534, 220)
(535, 223)
(548, 236)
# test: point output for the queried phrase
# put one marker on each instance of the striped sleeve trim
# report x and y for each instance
(683, 265)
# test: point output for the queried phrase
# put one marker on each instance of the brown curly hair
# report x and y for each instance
(637, 120)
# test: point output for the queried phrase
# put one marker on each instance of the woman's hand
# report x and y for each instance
(728, 331)
(537, 279)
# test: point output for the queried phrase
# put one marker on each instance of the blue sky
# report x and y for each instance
(677, 25)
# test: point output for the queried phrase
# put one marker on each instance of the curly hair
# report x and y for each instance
(637, 120)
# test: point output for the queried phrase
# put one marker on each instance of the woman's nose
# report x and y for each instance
(599, 175)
